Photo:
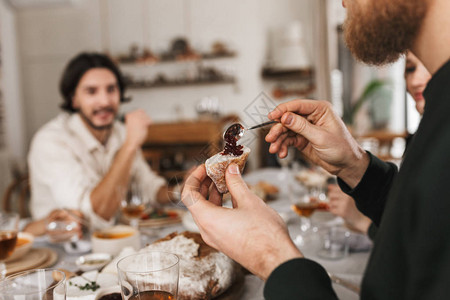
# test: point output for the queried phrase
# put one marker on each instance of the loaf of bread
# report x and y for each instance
(205, 273)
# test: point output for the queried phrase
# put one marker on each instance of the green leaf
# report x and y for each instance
(371, 88)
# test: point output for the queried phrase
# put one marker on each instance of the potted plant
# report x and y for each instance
(372, 88)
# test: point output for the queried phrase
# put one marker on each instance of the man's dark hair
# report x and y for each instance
(77, 67)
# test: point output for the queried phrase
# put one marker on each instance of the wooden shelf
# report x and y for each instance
(204, 56)
(296, 74)
(384, 136)
(279, 92)
(168, 84)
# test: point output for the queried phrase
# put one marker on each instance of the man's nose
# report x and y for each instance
(104, 98)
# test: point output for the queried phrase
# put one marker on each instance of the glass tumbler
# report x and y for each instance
(149, 275)
(37, 284)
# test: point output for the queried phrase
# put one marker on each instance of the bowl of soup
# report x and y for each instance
(23, 245)
(112, 240)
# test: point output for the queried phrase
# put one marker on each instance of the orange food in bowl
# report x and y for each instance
(112, 240)
(115, 235)
(23, 245)
(22, 241)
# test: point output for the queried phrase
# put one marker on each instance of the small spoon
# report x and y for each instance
(237, 130)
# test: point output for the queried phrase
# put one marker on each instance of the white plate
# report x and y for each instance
(74, 292)
(93, 261)
(273, 176)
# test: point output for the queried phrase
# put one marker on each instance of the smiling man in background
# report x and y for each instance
(411, 254)
(85, 159)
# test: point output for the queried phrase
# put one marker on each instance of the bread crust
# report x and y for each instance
(217, 164)
(208, 266)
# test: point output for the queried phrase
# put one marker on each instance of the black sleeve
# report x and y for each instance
(372, 231)
(299, 278)
(371, 192)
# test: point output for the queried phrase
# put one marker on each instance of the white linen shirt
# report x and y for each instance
(66, 162)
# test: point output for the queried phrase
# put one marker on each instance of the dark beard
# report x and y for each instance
(92, 125)
(379, 33)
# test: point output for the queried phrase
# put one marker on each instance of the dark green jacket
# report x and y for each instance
(411, 254)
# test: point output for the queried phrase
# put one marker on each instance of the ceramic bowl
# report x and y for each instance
(93, 261)
(23, 245)
(114, 239)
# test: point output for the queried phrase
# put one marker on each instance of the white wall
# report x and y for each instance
(15, 151)
(235, 22)
(11, 84)
(49, 37)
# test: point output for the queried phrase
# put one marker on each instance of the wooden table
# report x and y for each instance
(350, 268)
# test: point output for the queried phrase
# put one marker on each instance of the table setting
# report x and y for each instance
(326, 240)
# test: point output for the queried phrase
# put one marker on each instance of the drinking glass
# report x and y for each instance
(286, 162)
(38, 284)
(304, 204)
(286, 174)
(149, 276)
(133, 205)
(9, 225)
(62, 231)
(335, 243)
(315, 181)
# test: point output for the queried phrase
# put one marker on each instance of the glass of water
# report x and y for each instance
(38, 284)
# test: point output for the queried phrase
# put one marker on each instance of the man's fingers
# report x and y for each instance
(197, 177)
(206, 225)
(277, 143)
(300, 125)
(301, 107)
(283, 152)
(294, 116)
(191, 190)
(214, 196)
(276, 146)
(275, 132)
(197, 189)
(238, 188)
(205, 187)
(301, 142)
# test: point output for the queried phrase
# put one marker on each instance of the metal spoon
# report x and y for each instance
(237, 130)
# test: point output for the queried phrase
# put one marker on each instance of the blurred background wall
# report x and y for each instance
(38, 37)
